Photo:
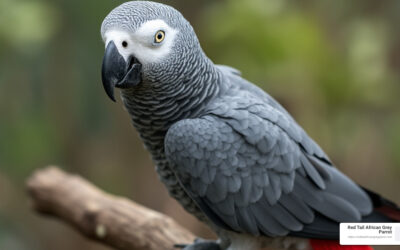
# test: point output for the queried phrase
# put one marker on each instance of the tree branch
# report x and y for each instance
(115, 221)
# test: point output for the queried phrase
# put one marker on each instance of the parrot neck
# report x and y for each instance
(155, 106)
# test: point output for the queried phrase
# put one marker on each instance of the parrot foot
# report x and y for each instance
(200, 244)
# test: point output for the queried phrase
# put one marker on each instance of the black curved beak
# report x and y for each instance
(116, 72)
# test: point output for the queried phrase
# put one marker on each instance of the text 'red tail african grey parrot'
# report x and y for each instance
(225, 149)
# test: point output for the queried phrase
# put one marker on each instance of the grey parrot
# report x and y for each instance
(226, 150)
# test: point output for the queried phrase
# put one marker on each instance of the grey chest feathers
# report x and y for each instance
(152, 122)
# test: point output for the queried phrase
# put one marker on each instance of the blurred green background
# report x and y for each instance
(333, 64)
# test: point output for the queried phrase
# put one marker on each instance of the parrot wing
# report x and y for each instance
(251, 169)
(228, 70)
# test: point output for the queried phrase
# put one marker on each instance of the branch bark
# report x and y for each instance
(114, 221)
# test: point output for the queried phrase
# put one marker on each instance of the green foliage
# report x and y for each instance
(29, 141)
(26, 24)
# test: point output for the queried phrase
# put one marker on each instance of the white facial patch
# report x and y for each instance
(141, 44)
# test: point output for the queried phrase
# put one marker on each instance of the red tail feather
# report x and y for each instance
(334, 245)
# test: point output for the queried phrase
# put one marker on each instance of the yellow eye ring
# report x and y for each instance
(159, 37)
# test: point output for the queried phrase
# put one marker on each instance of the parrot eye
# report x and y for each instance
(159, 37)
(124, 44)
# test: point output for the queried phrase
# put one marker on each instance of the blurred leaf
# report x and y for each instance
(26, 24)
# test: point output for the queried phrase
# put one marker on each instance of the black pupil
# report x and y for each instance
(124, 44)
(160, 36)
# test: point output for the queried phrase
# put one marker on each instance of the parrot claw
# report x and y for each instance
(200, 244)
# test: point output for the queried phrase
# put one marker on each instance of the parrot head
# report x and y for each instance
(147, 44)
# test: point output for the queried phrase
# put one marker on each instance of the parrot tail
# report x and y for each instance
(384, 211)
(384, 206)
(334, 245)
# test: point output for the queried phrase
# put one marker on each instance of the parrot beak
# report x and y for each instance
(116, 72)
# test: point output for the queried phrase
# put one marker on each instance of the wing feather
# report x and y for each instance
(253, 169)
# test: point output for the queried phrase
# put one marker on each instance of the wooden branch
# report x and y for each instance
(115, 221)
